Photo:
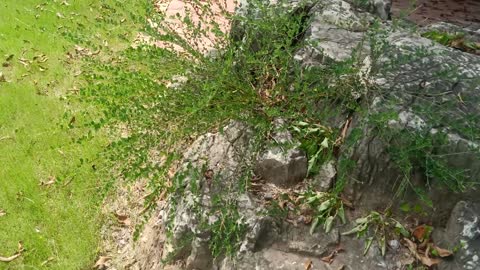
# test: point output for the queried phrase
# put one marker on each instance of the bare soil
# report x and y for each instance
(423, 12)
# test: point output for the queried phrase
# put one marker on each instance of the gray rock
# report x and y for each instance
(421, 82)
(463, 233)
(200, 257)
(470, 33)
(336, 30)
(323, 181)
(225, 155)
(283, 164)
(381, 8)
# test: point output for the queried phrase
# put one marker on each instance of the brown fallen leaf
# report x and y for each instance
(47, 261)
(420, 232)
(51, 180)
(5, 138)
(123, 220)
(441, 251)
(101, 262)
(14, 256)
(329, 259)
(24, 62)
(308, 265)
(425, 260)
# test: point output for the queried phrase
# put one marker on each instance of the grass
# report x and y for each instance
(57, 223)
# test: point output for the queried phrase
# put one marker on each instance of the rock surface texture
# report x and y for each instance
(462, 230)
(284, 163)
(426, 98)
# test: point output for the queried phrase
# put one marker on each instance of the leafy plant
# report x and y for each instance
(382, 225)
(327, 208)
(316, 141)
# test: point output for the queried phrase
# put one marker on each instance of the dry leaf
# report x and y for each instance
(422, 258)
(329, 259)
(123, 219)
(51, 181)
(101, 262)
(2, 77)
(308, 265)
(441, 251)
(2, 212)
(47, 261)
(420, 232)
(24, 62)
(14, 256)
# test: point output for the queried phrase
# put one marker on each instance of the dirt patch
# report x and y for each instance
(423, 12)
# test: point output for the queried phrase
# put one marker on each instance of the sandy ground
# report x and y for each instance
(206, 14)
(424, 12)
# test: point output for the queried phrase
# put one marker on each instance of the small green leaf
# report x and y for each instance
(324, 143)
(368, 244)
(362, 220)
(405, 207)
(401, 229)
(325, 205)
(383, 245)
(357, 229)
(314, 225)
(341, 213)
(296, 129)
(328, 224)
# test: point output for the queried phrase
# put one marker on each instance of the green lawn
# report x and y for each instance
(58, 222)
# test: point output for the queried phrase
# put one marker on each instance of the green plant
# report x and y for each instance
(316, 141)
(326, 209)
(382, 226)
(228, 230)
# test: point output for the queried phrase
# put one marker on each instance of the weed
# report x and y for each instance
(382, 225)
(326, 209)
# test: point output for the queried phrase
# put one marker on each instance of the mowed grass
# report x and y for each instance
(58, 221)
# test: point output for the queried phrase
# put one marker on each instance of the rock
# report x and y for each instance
(189, 213)
(177, 82)
(283, 164)
(335, 31)
(420, 83)
(421, 101)
(323, 181)
(394, 244)
(463, 233)
(381, 8)
(200, 257)
(470, 33)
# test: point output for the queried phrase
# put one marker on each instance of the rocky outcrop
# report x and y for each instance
(428, 90)
(208, 179)
(179, 234)
(284, 163)
(462, 233)
(425, 96)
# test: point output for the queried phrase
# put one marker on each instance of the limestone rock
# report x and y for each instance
(283, 164)
(462, 232)
(323, 181)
